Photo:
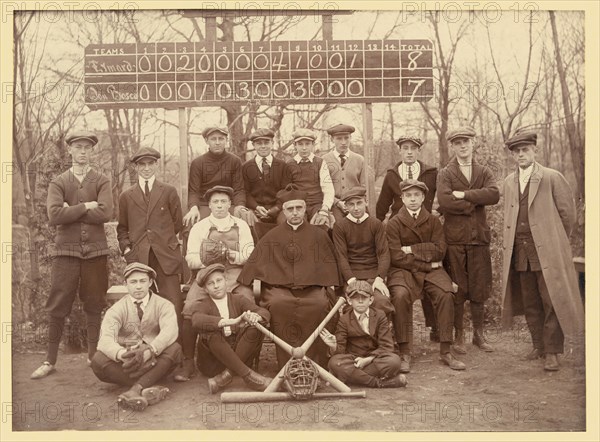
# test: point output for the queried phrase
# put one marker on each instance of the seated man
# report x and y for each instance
(417, 248)
(228, 343)
(137, 344)
(362, 347)
(296, 263)
(219, 238)
(311, 174)
(264, 176)
(362, 248)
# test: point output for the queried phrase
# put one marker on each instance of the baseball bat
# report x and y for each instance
(309, 341)
(256, 396)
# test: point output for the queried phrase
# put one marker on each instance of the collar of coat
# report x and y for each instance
(406, 218)
(534, 183)
(476, 171)
(138, 195)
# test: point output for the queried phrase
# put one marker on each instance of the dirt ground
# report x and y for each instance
(498, 392)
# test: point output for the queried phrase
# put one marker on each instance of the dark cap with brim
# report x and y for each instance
(359, 287)
(82, 135)
(520, 139)
(461, 132)
(204, 273)
(355, 192)
(145, 152)
(218, 189)
(210, 130)
(409, 184)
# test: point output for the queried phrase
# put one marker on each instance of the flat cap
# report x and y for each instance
(304, 134)
(340, 129)
(359, 286)
(82, 135)
(404, 138)
(520, 138)
(290, 193)
(409, 184)
(204, 273)
(259, 134)
(145, 152)
(355, 192)
(210, 130)
(461, 132)
(138, 267)
(218, 189)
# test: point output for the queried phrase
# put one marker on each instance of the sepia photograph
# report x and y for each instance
(301, 217)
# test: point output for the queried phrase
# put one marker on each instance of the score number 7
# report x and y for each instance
(418, 84)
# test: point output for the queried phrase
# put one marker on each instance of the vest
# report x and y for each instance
(306, 176)
(524, 251)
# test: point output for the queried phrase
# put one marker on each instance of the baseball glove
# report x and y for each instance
(212, 252)
(138, 360)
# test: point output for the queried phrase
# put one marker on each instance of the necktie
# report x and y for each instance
(363, 319)
(266, 169)
(304, 160)
(138, 304)
(357, 220)
(410, 174)
(147, 190)
(415, 216)
(342, 159)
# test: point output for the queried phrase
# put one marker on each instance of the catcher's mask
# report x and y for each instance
(301, 378)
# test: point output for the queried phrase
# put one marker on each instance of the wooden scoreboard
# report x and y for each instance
(209, 73)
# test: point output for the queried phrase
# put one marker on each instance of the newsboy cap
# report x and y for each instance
(409, 184)
(82, 135)
(290, 193)
(138, 267)
(359, 286)
(218, 189)
(461, 132)
(259, 134)
(354, 192)
(520, 138)
(210, 130)
(340, 129)
(204, 273)
(145, 152)
(304, 134)
(404, 138)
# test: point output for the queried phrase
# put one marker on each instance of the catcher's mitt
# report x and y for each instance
(138, 360)
(301, 378)
(212, 252)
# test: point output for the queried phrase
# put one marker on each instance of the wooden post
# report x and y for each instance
(369, 171)
(183, 159)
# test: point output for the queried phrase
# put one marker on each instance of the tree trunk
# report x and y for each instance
(574, 142)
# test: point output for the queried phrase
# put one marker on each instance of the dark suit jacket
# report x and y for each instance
(154, 225)
(464, 220)
(206, 316)
(426, 239)
(259, 193)
(352, 339)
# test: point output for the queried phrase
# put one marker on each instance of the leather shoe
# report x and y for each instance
(133, 399)
(155, 394)
(256, 381)
(404, 363)
(459, 343)
(479, 341)
(551, 363)
(452, 362)
(43, 370)
(185, 372)
(220, 381)
(395, 382)
(534, 354)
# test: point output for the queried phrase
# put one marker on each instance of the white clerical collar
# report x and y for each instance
(310, 158)
(411, 213)
(259, 160)
(142, 182)
(294, 226)
(144, 300)
(357, 221)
